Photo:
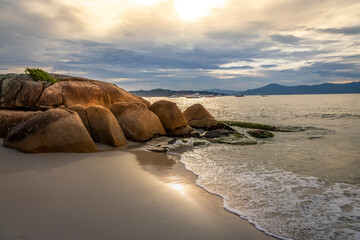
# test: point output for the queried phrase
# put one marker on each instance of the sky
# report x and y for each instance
(185, 44)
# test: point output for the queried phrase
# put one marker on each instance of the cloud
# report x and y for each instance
(286, 39)
(240, 44)
(344, 31)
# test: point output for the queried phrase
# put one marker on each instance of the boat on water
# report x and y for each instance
(239, 95)
(196, 95)
(209, 96)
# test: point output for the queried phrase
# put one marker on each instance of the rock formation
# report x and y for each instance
(104, 126)
(10, 119)
(21, 91)
(169, 114)
(199, 117)
(137, 121)
(56, 130)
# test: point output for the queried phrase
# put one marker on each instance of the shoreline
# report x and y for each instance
(108, 195)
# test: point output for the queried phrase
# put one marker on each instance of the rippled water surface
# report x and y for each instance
(299, 185)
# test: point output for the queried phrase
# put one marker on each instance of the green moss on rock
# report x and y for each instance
(251, 125)
(38, 74)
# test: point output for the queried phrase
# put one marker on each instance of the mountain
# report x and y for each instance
(222, 91)
(165, 93)
(326, 88)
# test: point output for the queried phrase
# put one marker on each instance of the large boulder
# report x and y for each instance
(56, 130)
(10, 119)
(51, 96)
(137, 121)
(81, 111)
(199, 117)
(91, 92)
(104, 126)
(21, 91)
(169, 114)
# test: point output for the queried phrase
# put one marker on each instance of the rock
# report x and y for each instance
(104, 126)
(236, 139)
(117, 94)
(217, 133)
(10, 119)
(56, 130)
(81, 111)
(51, 96)
(21, 91)
(158, 148)
(259, 133)
(199, 117)
(137, 121)
(169, 114)
(29, 94)
(85, 93)
(9, 93)
(185, 131)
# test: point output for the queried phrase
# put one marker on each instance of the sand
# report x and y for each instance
(108, 195)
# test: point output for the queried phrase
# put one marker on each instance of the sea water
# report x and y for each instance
(297, 185)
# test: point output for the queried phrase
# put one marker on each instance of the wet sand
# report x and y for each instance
(108, 195)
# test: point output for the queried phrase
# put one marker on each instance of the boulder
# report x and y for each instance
(185, 131)
(199, 117)
(29, 94)
(51, 96)
(137, 121)
(104, 126)
(81, 111)
(10, 119)
(169, 114)
(21, 91)
(260, 133)
(56, 130)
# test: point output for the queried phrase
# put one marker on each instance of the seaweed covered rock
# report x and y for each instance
(260, 133)
(198, 117)
(236, 139)
(169, 114)
(11, 118)
(137, 121)
(56, 130)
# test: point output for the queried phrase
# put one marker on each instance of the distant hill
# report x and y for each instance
(326, 88)
(222, 91)
(165, 93)
(271, 89)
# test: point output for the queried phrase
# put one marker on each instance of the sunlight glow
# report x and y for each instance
(191, 10)
(178, 187)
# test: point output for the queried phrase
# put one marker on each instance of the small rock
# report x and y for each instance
(217, 133)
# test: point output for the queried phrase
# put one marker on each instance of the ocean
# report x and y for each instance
(297, 185)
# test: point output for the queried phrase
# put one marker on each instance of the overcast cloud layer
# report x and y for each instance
(239, 45)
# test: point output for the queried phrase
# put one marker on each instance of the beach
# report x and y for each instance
(109, 195)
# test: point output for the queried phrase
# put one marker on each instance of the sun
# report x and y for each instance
(192, 10)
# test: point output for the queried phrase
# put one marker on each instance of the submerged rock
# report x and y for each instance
(56, 130)
(259, 133)
(199, 117)
(137, 121)
(236, 139)
(217, 133)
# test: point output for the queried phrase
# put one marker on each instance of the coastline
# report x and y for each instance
(112, 194)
